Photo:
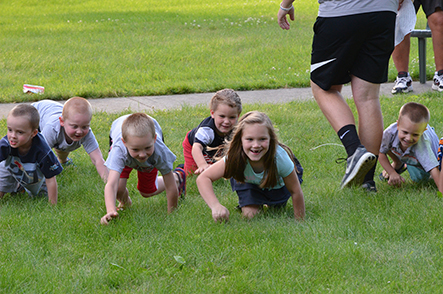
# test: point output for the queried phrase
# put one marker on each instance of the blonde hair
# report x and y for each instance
(76, 105)
(28, 111)
(228, 97)
(416, 112)
(138, 125)
(236, 158)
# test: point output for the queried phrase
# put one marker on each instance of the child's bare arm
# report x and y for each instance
(51, 184)
(436, 176)
(197, 154)
(171, 191)
(110, 197)
(394, 178)
(298, 201)
(385, 163)
(204, 184)
(99, 163)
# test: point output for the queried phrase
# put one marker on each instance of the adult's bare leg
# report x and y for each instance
(435, 22)
(340, 117)
(370, 119)
(333, 106)
(400, 55)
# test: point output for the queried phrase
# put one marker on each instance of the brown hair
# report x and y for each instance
(138, 125)
(236, 158)
(416, 112)
(28, 111)
(228, 97)
(76, 105)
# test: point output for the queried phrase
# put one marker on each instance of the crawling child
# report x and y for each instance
(66, 127)
(412, 145)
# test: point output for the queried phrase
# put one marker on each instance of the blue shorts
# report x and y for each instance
(417, 174)
(251, 194)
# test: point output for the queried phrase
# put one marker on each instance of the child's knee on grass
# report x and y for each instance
(146, 195)
(249, 211)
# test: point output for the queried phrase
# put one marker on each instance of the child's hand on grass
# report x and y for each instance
(395, 180)
(108, 217)
(220, 213)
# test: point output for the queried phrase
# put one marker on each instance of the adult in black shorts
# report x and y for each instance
(400, 56)
(353, 42)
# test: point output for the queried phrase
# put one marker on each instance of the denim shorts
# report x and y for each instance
(251, 194)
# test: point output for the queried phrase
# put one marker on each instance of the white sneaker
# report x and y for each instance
(403, 83)
(438, 82)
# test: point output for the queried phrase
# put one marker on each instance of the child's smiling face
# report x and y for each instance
(225, 117)
(409, 132)
(255, 141)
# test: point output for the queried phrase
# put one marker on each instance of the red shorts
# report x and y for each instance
(147, 181)
(190, 165)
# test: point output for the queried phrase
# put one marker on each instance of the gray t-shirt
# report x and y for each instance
(337, 8)
(50, 112)
(119, 157)
(422, 155)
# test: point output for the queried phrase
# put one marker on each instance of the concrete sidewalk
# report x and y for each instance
(150, 103)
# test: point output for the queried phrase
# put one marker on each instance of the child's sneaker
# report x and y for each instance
(68, 162)
(19, 190)
(403, 83)
(181, 181)
(438, 81)
(369, 186)
(357, 166)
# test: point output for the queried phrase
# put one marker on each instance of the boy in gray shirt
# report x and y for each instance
(137, 143)
(67, 128)
(412, 145)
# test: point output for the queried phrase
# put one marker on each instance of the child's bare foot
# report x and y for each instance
(122, 205)
(385, 175)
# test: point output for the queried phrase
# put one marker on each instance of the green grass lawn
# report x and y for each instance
(350, 242)
(120, 48)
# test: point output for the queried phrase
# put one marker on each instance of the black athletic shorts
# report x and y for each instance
(358, 45)
(428, 6)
